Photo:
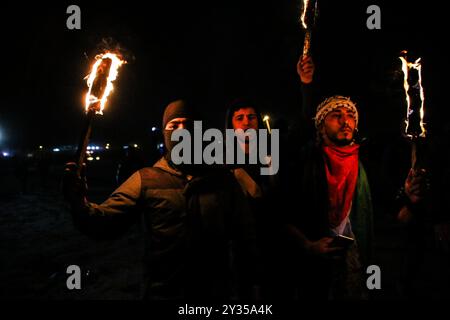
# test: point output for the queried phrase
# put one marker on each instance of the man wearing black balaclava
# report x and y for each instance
(192, 224)
(178, 115)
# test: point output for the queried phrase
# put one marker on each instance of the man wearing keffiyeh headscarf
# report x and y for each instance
(334, 183)
(336, 121)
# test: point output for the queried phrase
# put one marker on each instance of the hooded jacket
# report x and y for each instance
(264, 198)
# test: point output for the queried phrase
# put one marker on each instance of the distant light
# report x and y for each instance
(97, 148)
(5, 154)
(135, 145)
(56, 150)
(89, 148)
(107, 146)
(90, 159)
(98, 158)
(41, 147)
(154, 129)
(161, 145)
(125, 147)
(29, 155)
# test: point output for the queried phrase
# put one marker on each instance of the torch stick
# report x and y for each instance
(308, 20)
(307, 44)
(418, 153)
(84, 141)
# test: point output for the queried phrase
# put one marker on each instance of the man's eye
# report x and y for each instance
(239, 118)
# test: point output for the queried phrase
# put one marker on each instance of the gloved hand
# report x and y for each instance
(74, 187)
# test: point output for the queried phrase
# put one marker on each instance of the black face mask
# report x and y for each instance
(188, 168)
(178, 109)
(168, 143)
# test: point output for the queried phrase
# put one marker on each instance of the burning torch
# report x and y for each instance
(308, 17)
(99, 81)
(415, 99)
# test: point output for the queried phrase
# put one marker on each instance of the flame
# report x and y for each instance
(303, 16)
(266, 120)
(116, 62)
(406, 66)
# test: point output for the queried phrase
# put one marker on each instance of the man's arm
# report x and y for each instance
(247, 254)
(305, 70)
(109, 218)
(302, 128)
(416, 190)
(122, 201)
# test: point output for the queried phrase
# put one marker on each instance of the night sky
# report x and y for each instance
(211, 53)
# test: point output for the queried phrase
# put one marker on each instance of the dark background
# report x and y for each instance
(211, 53)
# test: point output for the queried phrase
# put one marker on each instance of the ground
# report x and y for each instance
(38, 241)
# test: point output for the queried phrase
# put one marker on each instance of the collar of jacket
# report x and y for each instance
(164, 165)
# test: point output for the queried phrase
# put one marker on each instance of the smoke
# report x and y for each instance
(109, 44)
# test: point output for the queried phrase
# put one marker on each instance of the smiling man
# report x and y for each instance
(262, 191)
(245, 118)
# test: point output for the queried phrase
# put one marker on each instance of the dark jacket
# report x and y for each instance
(264, 198)
(312, 192)
(194, 225)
